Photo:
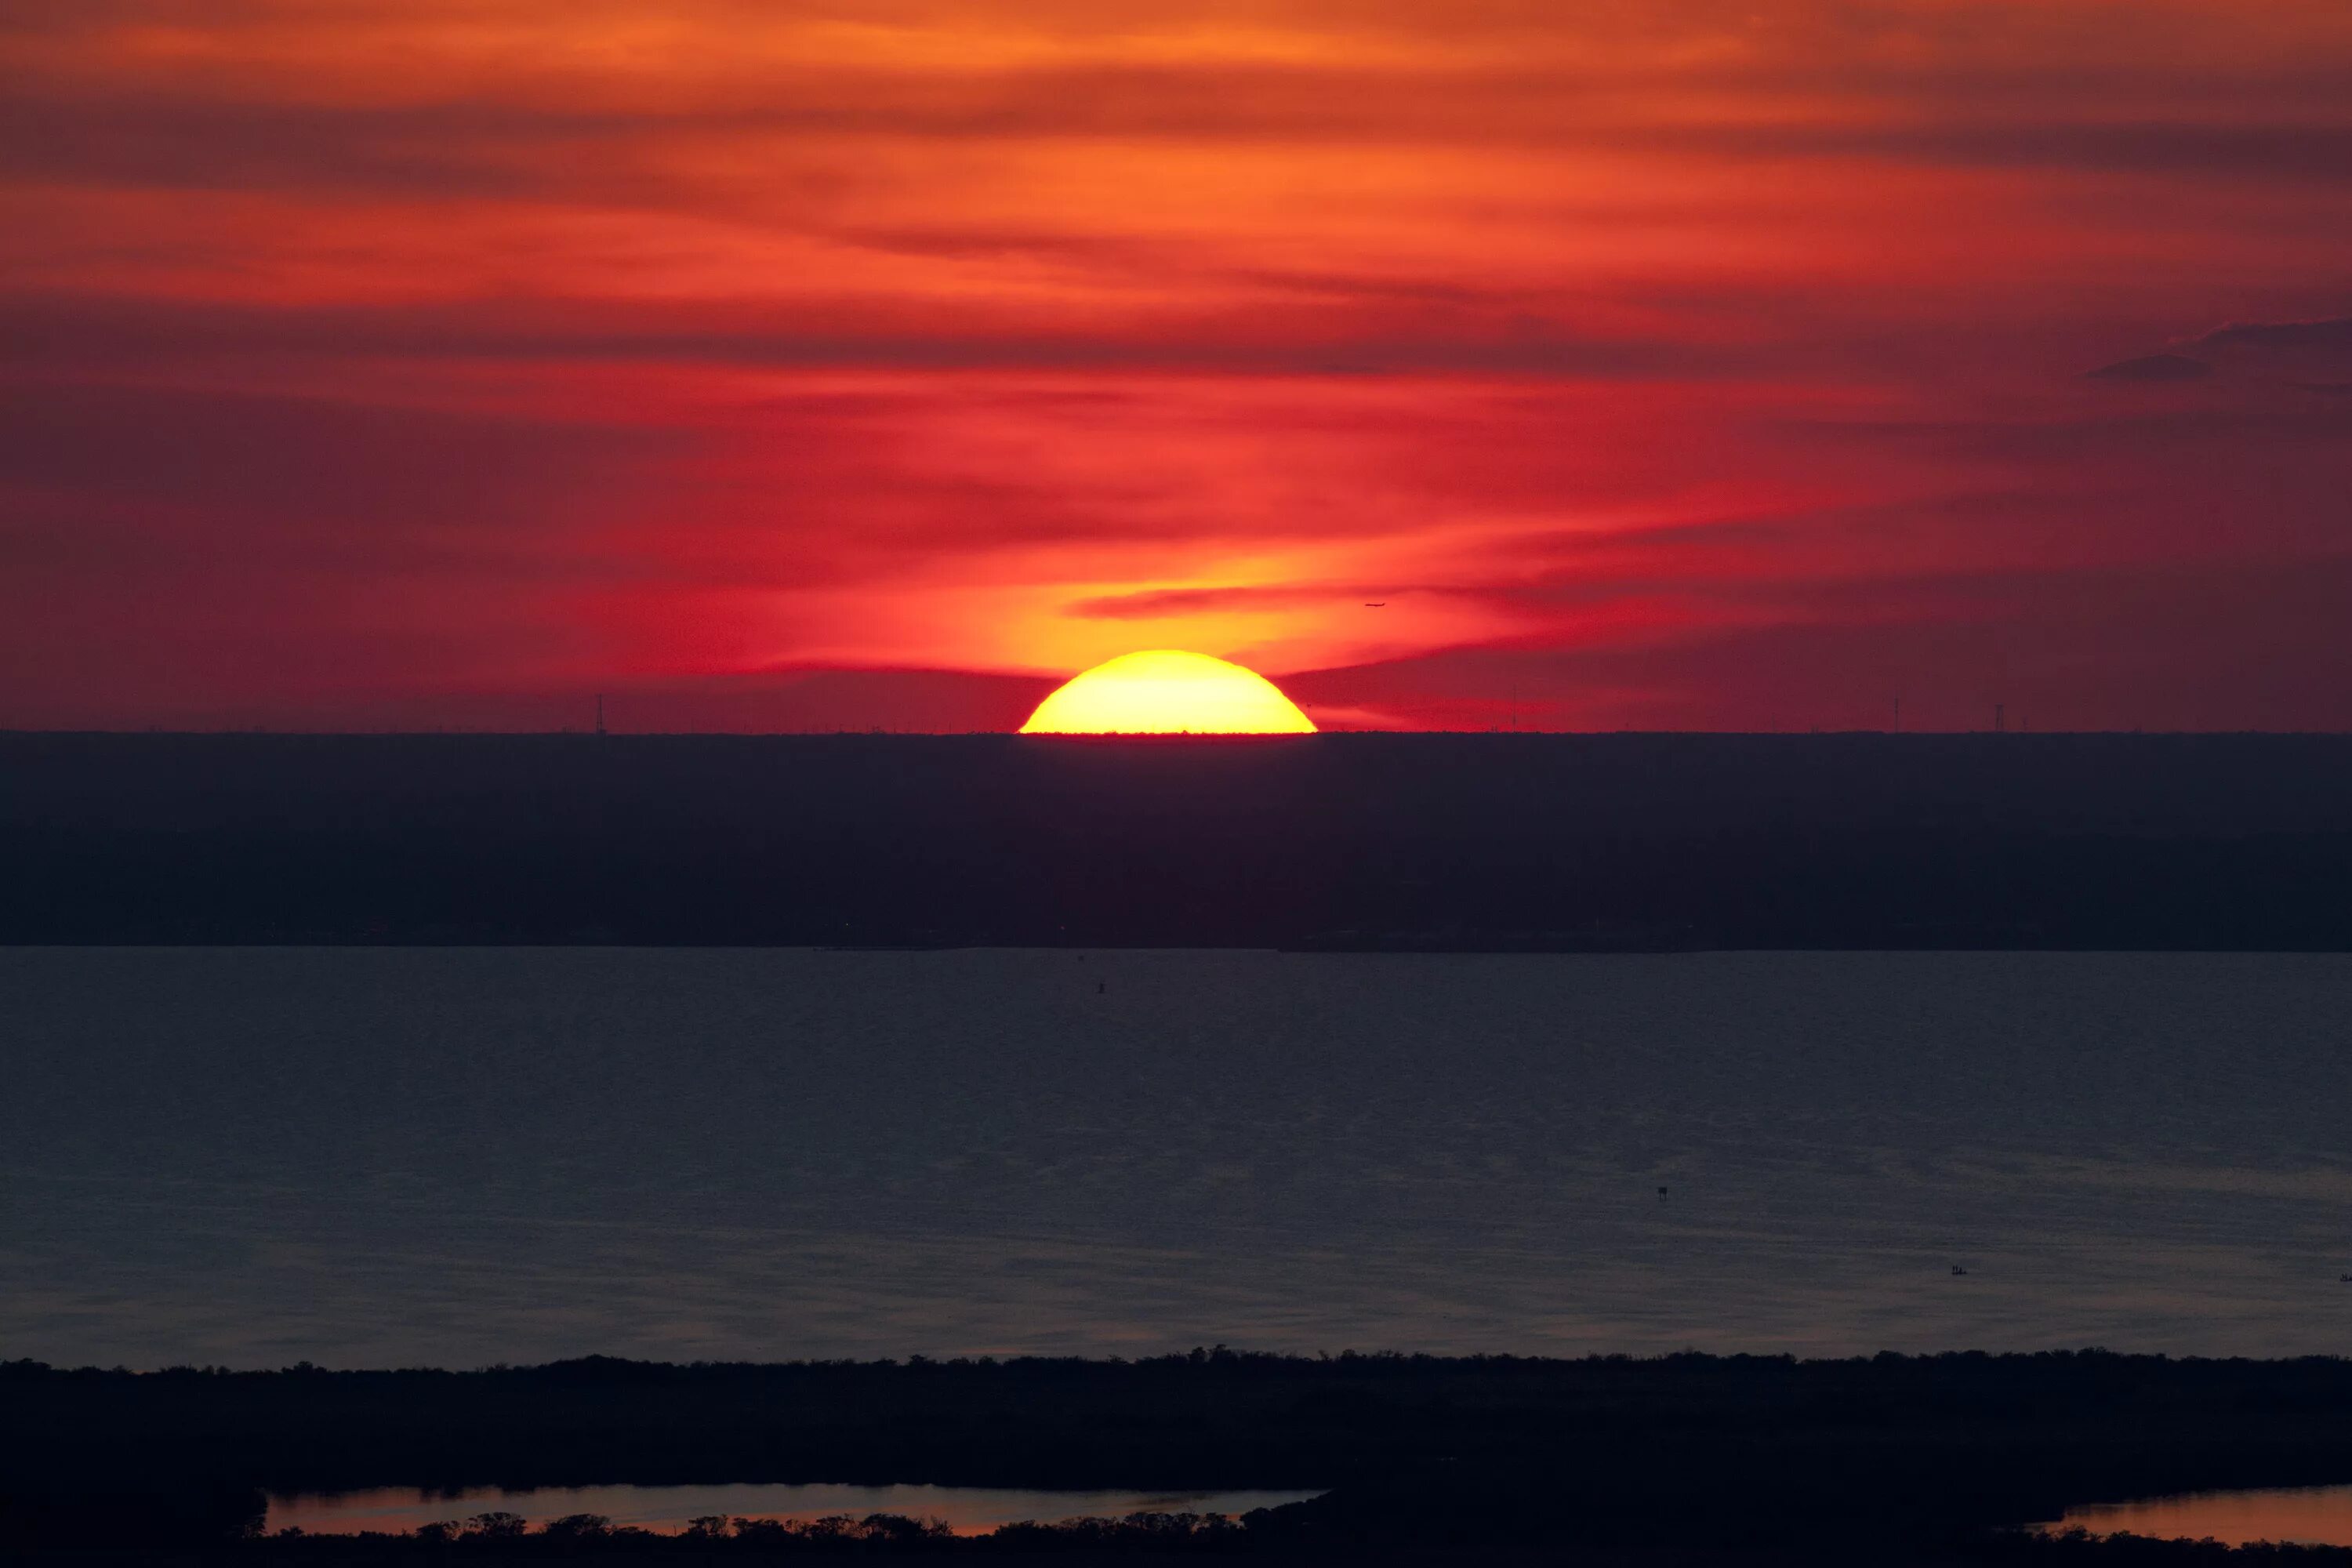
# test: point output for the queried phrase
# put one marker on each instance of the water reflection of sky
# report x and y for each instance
(969, 1510)
(2317, 1516)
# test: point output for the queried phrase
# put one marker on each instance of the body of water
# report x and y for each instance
(456, 1156)
(2313, 1516)
(968, 1511)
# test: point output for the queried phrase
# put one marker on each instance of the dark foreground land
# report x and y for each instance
(1684, 1458)
(1495, 842)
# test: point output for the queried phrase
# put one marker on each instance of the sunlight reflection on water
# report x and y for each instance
(2314, 1516)
(969, 1510)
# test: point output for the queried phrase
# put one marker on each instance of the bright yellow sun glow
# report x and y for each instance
(1162, 692)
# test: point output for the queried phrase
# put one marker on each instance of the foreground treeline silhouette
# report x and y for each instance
(2213, 842)
(504, 1539)
(1709, 1454)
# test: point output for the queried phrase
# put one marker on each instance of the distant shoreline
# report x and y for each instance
(1371, 843)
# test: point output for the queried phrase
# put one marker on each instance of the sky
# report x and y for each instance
(1458, 363)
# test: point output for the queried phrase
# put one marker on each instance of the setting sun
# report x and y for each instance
(1164, 692)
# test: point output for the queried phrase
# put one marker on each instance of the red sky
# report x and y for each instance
(1674, 364)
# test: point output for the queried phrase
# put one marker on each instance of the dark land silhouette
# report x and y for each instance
(1475, 842)
(1265, 1538)
(1682, 1457)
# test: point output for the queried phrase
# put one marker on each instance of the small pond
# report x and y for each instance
(969, 1510)
(2317, 1516)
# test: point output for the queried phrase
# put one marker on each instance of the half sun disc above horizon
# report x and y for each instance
(1166, 691)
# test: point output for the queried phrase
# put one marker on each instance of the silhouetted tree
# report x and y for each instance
(577, 1527)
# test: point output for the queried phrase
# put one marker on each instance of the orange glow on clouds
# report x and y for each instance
(1690, 364)
(1164, 692)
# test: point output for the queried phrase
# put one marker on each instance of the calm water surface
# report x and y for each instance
(464, 1155)
(969, 1510)
(2320, 1516)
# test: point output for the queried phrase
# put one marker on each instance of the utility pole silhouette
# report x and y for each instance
(2000, 718)
(600, 713)
(1898, 715)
